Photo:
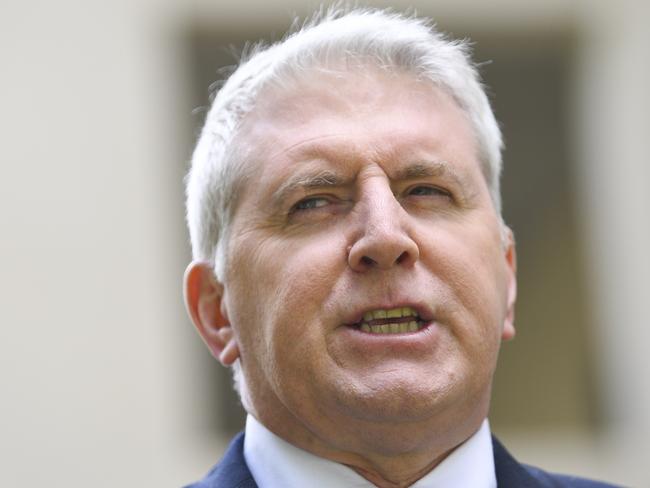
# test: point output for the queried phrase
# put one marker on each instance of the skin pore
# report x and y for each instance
(365, 195)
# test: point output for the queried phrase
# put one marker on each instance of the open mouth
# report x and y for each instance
(400, 320)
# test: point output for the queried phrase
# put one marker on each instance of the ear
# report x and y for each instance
(511, 264)
(203, 299)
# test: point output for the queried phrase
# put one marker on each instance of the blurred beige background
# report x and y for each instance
(103, 380)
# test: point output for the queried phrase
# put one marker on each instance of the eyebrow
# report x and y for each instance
(420, 170)
(322, 179)
(430, 169)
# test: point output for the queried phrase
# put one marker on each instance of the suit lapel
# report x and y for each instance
(509, 472)
(232, 471)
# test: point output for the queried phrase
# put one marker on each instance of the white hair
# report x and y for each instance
(378, 37)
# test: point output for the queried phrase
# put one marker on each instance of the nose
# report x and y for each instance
(385, 238)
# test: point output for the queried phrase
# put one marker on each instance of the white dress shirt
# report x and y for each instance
(274, 463)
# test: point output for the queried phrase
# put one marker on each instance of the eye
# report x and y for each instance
(310, 204)
(427, 190)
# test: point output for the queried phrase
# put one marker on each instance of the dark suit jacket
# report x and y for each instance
(232, 472)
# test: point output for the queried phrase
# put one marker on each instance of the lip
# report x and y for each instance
(420, 344)
(423, 310)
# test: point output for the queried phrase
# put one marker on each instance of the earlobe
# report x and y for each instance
(508, 332)
(203, 299)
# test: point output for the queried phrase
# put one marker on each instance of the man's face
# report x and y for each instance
(368, 285)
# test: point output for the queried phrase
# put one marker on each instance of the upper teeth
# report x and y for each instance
(389, 314)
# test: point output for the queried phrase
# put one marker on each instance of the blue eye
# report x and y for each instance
(310, 203)
(427, 191)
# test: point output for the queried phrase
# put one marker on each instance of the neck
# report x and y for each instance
(395, 474)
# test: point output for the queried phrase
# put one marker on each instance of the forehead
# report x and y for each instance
(321, 95)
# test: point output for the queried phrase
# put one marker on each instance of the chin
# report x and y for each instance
(403, 419)
(425, 395)
(394, 400)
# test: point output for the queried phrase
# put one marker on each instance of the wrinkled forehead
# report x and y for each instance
(321, 95)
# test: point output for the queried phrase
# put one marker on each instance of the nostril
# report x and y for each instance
(382, 250)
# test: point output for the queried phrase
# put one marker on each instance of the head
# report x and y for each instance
(344, 212)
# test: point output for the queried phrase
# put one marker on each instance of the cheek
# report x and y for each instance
(305, 267)
(287, 284)
(472, 269)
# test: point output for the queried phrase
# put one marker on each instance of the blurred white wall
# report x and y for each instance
(98, 366)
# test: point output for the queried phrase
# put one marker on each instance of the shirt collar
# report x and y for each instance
(275, 462)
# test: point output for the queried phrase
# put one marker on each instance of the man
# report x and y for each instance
(351, 263)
